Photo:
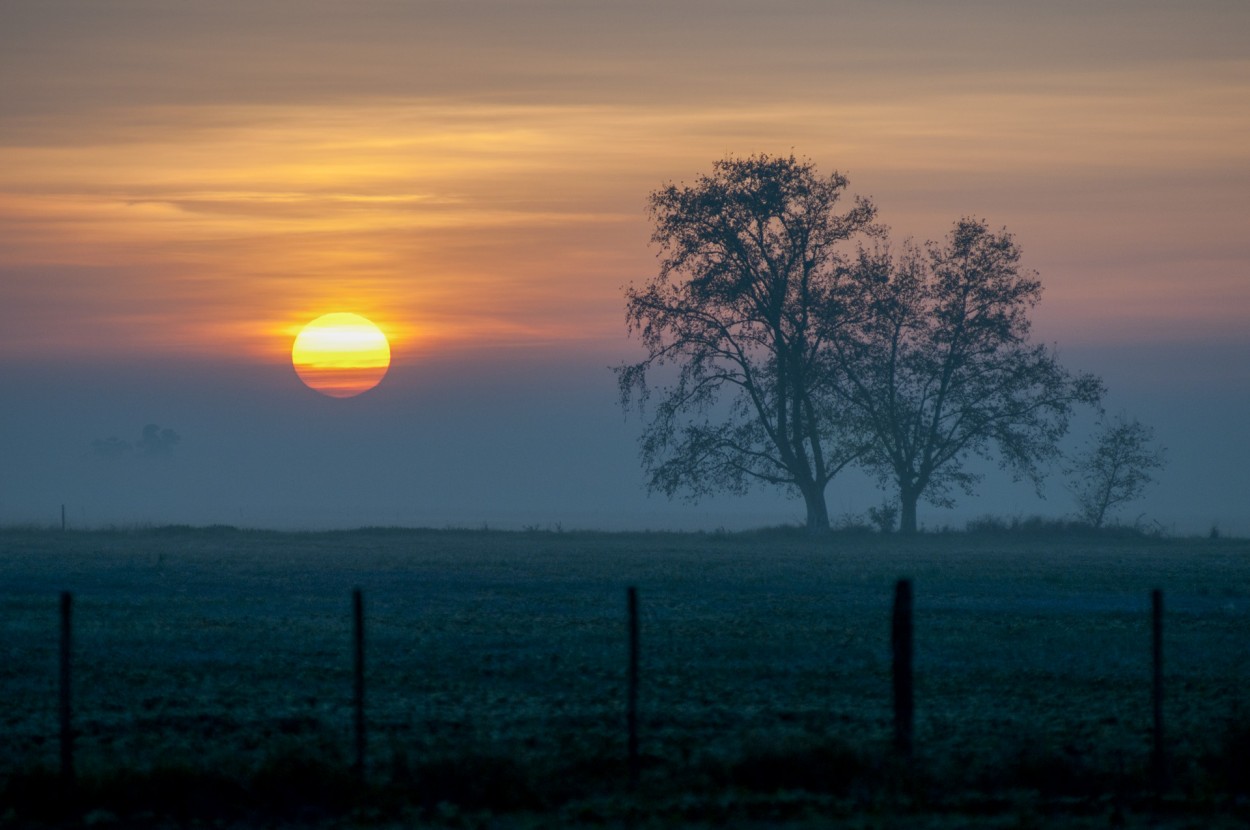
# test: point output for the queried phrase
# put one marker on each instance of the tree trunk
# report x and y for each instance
(1104, 501)
(907, 504)
(817, 511)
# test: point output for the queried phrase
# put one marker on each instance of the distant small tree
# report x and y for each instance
(153, 442)
(156, 441)
(1113, 469)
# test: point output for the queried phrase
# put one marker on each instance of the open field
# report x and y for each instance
(496, 675)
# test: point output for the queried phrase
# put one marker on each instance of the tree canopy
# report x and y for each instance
(783, 358)
(739, 310)
(936, 366)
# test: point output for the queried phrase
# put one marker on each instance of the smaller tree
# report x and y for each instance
(1113, 469)
(937, 367)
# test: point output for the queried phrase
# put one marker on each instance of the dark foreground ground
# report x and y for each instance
(213, 679)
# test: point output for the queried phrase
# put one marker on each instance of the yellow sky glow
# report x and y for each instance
(213, 220)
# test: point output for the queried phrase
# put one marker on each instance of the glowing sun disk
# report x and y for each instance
(341, 355)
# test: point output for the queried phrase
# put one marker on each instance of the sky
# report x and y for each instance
(184, 185)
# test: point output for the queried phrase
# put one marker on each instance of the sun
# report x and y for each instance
(341, 355)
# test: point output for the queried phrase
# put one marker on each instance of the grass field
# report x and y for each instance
(213, 678)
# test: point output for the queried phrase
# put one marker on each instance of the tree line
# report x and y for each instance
(793, 338)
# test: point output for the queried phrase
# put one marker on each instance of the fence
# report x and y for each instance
(902, 641)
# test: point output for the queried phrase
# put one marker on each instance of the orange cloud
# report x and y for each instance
(218, 228)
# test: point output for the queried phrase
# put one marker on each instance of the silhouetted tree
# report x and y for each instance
(1113, 469)
(937, 367)
(153, 441)
(740, 309)
(156, 441)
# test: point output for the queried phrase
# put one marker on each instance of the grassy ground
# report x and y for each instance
(213, 678)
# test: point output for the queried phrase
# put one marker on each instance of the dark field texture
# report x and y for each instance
(213, 675)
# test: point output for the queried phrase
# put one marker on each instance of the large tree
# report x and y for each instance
(739, 311)
(936, 365)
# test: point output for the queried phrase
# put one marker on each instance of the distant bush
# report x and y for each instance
(852, 523)
(1033, 525)
(786, 531)
(884, 517)
(1044, 526)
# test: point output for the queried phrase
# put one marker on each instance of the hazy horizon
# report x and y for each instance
(437, 446)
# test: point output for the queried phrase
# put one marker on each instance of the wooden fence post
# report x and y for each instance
(1159, 759)
(66, 710)
(358, 696)
(904, 691)
(631, 710)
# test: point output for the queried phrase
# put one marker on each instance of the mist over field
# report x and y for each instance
(519, 438)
